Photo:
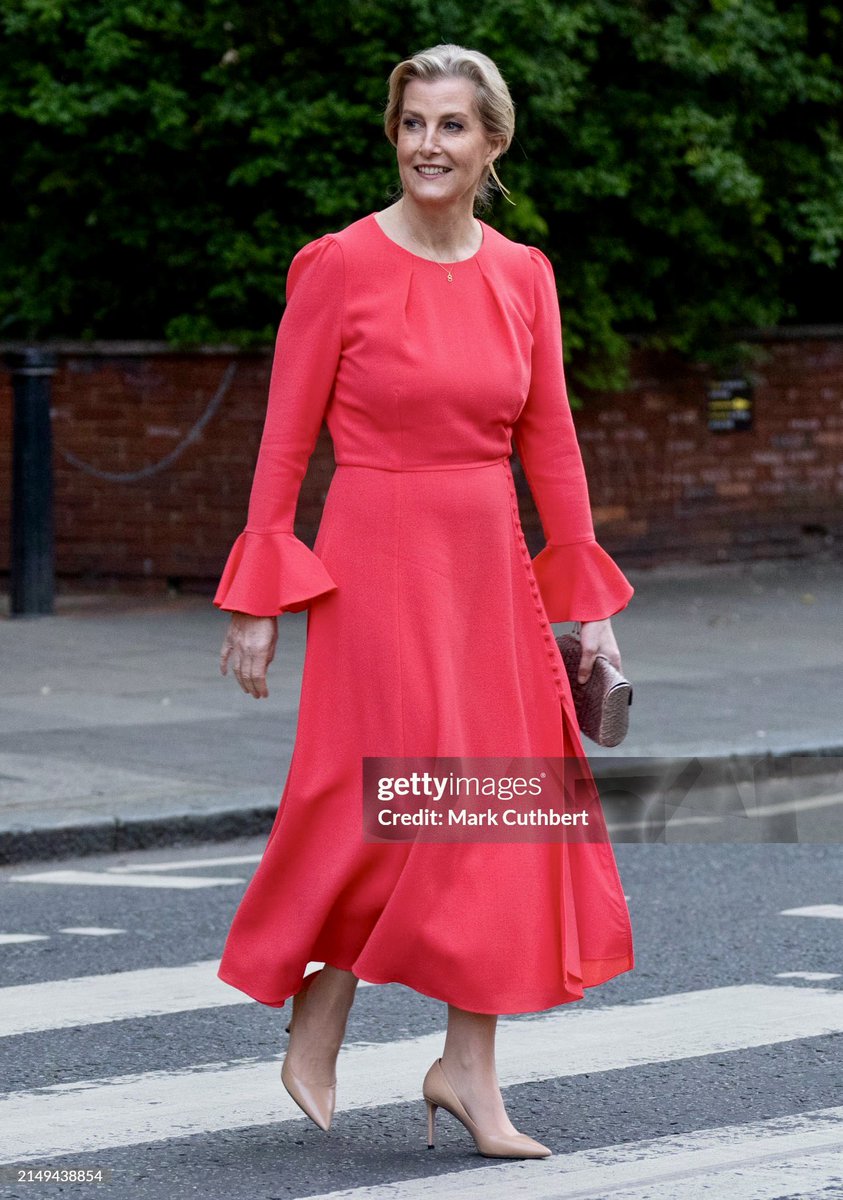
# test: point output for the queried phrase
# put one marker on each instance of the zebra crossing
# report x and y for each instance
(119, 996)
(144, 875)
(46, 1123)
(123, 1110)
(793, 1157)
(755, 1161)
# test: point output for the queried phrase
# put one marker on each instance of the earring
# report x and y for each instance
(502, 187)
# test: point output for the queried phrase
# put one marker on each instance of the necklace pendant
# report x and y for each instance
(450, 277)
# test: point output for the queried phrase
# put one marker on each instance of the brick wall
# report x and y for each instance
(663, 486)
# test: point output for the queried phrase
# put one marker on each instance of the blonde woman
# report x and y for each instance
(431, 344)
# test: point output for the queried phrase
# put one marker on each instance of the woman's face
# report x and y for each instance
(439, 127)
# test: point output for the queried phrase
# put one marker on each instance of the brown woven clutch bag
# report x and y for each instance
(602, 702)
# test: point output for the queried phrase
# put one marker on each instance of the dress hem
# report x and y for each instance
(595, 973)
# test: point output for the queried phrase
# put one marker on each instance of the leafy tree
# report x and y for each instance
(680, 161)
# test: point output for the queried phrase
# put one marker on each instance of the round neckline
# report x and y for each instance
(459, 262)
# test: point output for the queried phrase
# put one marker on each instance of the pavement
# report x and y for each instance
(117, 730)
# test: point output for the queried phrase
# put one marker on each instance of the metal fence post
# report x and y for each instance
(32, 566)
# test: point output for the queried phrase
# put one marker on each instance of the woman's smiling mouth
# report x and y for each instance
(431, 172)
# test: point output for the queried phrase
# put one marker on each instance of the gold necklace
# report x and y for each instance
(436, 260)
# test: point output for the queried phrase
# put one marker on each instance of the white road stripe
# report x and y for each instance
(797, 805)
(94, 1114)
(95, 999)
(91, 930)
(189, 863)
(813, 976)
(761, 1160)
(118, 996)
(834, 911)
(804, 1177)
(11, 939)
(102, 879)
(749, 812)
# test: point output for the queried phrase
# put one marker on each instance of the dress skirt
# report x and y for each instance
(434, 642)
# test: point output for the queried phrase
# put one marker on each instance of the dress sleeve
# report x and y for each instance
(269, 570)
(577, 579)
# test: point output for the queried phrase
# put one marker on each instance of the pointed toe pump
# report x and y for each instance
(317, 1100)
(438, 1093)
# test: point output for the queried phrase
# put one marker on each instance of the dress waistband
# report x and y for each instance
(469, 466)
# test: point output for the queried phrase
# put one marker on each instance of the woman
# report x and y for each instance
(427, 340)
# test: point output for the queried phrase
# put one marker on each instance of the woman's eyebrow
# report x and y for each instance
(411, 112)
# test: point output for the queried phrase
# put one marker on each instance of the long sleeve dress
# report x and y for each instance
(428, 624)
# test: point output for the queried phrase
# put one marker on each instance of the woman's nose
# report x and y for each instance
(430, 142)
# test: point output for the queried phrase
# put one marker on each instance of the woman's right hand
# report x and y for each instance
(250, 644)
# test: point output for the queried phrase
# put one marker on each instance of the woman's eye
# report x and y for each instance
(412, 121)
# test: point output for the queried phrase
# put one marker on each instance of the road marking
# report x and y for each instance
(10, 939)
(91, 930)
(189, 864)
(813, 976)
(748, 812)
(94, 1114)
(118, 996)
(791, 1156)
(123, 996)
(102, 879)
(834, 911)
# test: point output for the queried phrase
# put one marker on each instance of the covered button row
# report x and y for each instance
(552, 650)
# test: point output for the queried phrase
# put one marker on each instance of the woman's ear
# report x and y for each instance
(495, 149)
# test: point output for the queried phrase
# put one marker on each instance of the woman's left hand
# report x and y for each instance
(597, 637)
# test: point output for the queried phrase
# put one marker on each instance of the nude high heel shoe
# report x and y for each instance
(438, 1093)
(317, 1100)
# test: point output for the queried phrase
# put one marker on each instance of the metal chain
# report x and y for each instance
(153, 469)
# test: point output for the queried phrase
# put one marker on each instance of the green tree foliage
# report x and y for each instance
(681, 162)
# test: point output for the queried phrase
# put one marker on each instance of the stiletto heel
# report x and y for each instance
(438, 1093)
(431, 1122)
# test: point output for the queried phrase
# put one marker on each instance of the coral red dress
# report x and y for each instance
(427, 624)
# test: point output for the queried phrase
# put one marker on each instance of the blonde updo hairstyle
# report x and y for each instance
(491, 97)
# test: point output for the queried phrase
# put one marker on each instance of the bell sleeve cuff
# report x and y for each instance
(580, 582)
(268, 573)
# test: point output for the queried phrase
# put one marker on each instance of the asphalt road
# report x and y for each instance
(712, 1069)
